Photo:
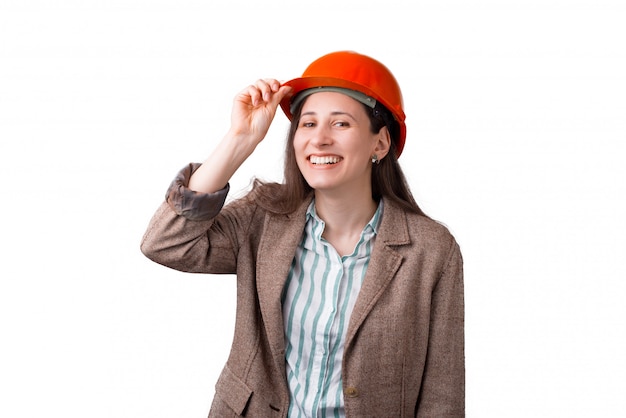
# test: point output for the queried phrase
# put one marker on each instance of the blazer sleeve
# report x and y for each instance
(443, 385)
(194, 232)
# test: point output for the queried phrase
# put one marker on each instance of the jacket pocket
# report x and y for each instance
(233, 391)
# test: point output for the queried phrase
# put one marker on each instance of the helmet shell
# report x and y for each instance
(351, 70)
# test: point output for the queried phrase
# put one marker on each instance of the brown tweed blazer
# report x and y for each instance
(404, 351)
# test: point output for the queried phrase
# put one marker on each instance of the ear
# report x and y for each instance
(383, 144)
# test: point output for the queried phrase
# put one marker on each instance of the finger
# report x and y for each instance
(268, 86)
(273, 83)
(251, 94)
(266, 89)
(282, 92)
(261, 91)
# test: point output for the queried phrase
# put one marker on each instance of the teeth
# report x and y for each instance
(324, 160)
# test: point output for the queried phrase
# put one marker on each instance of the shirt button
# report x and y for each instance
(352, 392)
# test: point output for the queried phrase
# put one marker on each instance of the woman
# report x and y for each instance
(350, 299)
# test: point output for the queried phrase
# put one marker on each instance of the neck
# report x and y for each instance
(345, 217)
(347, 214)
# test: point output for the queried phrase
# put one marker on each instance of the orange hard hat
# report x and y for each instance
(364, 77)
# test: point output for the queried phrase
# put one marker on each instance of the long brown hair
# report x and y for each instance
(388, 180)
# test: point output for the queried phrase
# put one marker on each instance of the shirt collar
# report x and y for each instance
(372, 225)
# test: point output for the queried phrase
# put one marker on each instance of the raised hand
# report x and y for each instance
(254, 109)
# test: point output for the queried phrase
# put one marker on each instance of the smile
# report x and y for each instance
(325, 160)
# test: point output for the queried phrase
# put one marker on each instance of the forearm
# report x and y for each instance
(224, 161)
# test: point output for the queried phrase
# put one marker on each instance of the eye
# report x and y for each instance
(307, 124)
(341, 124)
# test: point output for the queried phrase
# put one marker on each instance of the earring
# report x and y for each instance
(375, 159)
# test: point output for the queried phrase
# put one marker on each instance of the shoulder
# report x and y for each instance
(428, 227)
(276, 198)
(432, 242)
(418, 230)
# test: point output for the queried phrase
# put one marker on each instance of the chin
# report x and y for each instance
(316, 184)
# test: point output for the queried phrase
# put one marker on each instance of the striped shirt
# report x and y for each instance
(319, 295)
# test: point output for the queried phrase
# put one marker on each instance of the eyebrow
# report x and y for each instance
(335, 113)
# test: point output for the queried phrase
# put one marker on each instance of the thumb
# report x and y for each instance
(282, 92)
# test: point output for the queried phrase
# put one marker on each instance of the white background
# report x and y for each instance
(516, 136)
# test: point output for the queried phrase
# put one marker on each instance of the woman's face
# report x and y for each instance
(334, 145)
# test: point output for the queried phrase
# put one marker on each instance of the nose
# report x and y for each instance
(321, 136)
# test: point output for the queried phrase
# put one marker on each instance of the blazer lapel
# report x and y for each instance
(281, 236)
(384, 263)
